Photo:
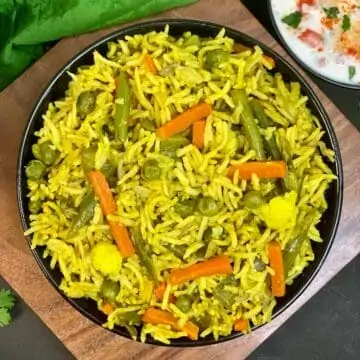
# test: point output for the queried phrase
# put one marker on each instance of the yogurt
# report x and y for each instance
(326, 38)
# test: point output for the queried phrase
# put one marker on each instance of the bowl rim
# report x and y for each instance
(292, 53)
(156, 25)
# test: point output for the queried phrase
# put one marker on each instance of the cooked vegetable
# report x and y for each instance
(208, 206)
(277, 264)
(250, 127)
(106, 259)
(151, 170)
(184, 120)
(263, 170)
(241, 325)
(169, 146)
(219, 265)
(108, 205)
(109, 290)
(186, 207)
(86, 102)
(85, 212)
(215, 57)
(34, 206)
(46, 153)
(281, 212)
(292, 19)
(160, 291)
(107, 308)
(123, 103)
(198, 134)
(88, 158)
(131, 318)
(331, 12)
(259, 265)
(7, 301)
(294, 245)
(253, 199)
(226, 298)
(311, 38)
(346, 23)
(184, 303)
(149, 63)
(193, 40)
(155, 316)
(352, 71)
(178, 250)
(35, 170)
(148, 125)
(143, 250)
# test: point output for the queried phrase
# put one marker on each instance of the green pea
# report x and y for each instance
(131, 318)
(34, 206)
(169, 146)
(86, 102)
(46, 153)
(200, 254)
(88, 158)
(215, 57)
(35, 170)
(184, 303)
(208, 206)
(36, 151)
(109, 290)
(207, 235)
(204, 322)
(185, 207)
(193, 40)
(253, 200)
(151, 170)
(259, 265)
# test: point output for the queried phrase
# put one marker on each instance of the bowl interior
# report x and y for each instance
(56, 89)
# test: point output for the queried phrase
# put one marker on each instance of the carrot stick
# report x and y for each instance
(241, 325)
(184, 120)
(108, 205)
(149, 63)
(219, 265)
(264, 170)
(160, 291)
(276, 263)
(107, 309)
(268, 62)
(156, 317)
(198, 133)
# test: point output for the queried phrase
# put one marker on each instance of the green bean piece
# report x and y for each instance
(35, 170)
(193, 40)
(88, 158)
(109, 290)
(258, 109)
(250, 127)
(207, 236)
(151, 170)
(109, 170)
(186, 207)
(178, 250)
(184, 303)
(122, 111)
(85, 213)
(46, 153)
(204, 322)
(169, 146)
(253, 200)
(143, 251)
(148, 125)
(86, 102)
(201, 253)
(208, 206)
(226, 298)
(131, 318)
(293, 247)
(34, 206)
(259, 265)
(215, 57)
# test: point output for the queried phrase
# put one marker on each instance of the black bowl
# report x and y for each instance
(296, 57)
(56, 89)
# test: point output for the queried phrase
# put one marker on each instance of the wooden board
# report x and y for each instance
(84, 339)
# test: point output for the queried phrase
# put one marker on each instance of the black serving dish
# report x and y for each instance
(296, 57)
(56, 89)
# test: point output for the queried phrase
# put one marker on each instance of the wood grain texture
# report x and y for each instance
(84, 339)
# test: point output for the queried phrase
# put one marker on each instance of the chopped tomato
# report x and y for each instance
(312, 38)
(301, 3)
(329, 22)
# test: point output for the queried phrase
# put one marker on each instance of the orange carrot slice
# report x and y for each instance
(264, 170)
(198, 133)
(149, 63)
(107, 309)
(277, 264)
(241, 325)
(184, 120)
(219, 265)
(160, 291)
(108, 205)
(156, 317)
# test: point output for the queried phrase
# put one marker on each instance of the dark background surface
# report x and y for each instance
(347, 100)
(325, 328)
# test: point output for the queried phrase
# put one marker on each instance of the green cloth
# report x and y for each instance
(27, 25)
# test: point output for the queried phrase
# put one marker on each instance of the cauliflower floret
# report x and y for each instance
(106, 258)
